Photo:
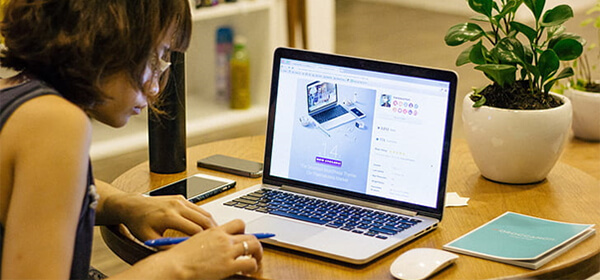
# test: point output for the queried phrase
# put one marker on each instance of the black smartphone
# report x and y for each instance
(232, 165)
(195, 188)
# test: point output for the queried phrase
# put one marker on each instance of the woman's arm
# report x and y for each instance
(48, 140)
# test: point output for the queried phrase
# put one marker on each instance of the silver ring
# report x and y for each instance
(245, 244)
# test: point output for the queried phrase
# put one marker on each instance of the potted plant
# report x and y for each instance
(516, 128)
(584, 90)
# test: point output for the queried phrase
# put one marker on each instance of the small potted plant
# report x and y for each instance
(584, 90)
(515, 127)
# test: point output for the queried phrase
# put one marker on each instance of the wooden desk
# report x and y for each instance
(568, 195)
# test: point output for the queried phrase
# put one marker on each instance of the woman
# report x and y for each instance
(106, 60)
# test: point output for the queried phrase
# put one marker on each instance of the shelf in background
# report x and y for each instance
(229, 9)
(108, 141)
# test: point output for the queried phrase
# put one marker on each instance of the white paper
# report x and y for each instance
(454, 200)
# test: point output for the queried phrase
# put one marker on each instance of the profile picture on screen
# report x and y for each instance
(386, 100)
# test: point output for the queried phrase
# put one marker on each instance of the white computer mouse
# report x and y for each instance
(421, 263)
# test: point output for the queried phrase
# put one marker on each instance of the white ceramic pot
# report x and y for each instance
(586, 114)
(516, 146)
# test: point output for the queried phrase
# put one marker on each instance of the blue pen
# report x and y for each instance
(174, 240)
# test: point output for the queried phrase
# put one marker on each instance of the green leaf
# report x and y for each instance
(532, 68)
(552, 43)
(463, 32)
(557, 16)
(529, 32)
(565, 73)
(482, 6)
(510, 50)
(536, 7)
(481, 18)
(548, 64)
(556, 31)
(477, 98)
(463, 57)
(478, 54)
(510, 7)
(548, 86)
(568, 49)
(530, 72)
(479, 102)
(495, 6)
(501, 74)
(528, 54)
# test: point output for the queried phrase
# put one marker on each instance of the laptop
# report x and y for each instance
(365, 188)
(323, 107)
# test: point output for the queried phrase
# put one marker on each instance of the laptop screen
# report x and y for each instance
(396, 148)
(320, 95)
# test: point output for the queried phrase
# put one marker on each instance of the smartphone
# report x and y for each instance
(232, 165)
(358, 113)
(195, 188)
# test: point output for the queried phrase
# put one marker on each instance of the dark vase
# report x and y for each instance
(166, 132)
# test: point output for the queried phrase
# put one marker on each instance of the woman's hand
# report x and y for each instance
(150, 217)
(219, 252)
(215, 253)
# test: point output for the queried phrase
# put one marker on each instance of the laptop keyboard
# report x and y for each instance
(345, 217)
(329, 114)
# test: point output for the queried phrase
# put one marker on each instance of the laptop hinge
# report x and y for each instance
(349, 200)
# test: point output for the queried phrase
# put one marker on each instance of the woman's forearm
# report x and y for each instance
(110, 204)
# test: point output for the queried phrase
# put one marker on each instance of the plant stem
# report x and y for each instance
(495, 31)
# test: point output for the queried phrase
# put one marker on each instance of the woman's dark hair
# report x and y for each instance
(73, 44)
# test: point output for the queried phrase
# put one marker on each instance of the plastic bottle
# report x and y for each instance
(240, 75)
(206, 3)
(224, 51)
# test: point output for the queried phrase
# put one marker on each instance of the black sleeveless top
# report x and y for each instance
(10, 99)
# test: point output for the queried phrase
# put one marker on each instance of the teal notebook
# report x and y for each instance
(521, 240)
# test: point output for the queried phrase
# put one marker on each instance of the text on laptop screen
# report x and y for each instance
(392, 148)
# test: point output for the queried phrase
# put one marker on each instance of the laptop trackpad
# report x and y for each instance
(284, 230)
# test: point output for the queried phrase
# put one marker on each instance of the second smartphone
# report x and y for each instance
(232, 165)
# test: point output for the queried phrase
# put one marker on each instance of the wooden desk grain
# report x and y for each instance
(568, 194)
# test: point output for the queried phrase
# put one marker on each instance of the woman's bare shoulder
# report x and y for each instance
(48, 119)
(52, 110)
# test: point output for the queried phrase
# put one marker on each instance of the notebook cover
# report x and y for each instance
(520, 239)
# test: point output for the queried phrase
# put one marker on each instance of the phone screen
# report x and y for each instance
(194, 188)
(357, 112)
